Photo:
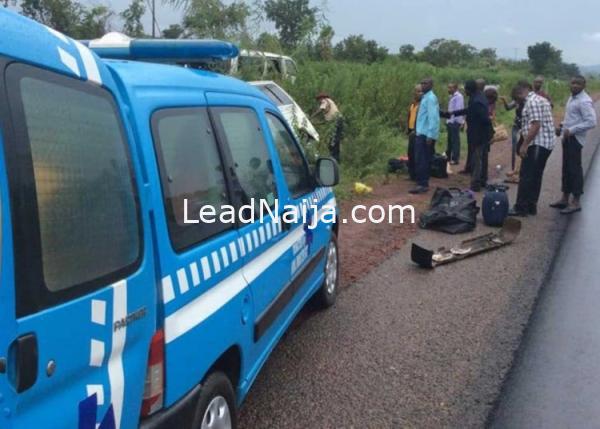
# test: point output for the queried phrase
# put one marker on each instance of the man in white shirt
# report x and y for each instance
(580, 117)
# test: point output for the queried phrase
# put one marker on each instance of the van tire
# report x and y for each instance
(215, 389)
(327, 293)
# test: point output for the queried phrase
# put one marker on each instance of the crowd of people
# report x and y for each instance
(533, 137)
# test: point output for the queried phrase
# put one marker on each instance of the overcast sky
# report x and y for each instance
(507, 25)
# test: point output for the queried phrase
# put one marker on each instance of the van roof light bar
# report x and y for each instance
(119, 46)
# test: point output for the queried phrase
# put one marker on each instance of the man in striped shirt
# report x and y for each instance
(538, 142)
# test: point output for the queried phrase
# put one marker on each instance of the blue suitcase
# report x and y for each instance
(495, 205)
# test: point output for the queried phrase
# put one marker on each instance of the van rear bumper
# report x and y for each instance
(180, 415)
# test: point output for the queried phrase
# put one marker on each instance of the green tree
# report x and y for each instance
(544, 58)
(69, 17)
(173, 31)
(295, 20)
(488, 57)
(324, 44)
(357, 49)
(268, 42)
(443, 53)
(214, 19)
(407, 52)
(132, 17)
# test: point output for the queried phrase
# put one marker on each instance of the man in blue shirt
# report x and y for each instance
(428, 131)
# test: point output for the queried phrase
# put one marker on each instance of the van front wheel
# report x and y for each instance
(327, 295)
(216, 405)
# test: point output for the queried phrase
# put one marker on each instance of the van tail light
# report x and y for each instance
(154, 386)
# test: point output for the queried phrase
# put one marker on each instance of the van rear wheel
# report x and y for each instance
(327, 295)
(216, 405)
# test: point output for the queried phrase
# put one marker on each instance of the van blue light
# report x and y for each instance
(118, 46)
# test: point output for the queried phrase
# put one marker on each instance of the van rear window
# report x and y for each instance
(78, 209)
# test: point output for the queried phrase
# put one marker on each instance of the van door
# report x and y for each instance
(267, 242)
(73, 265)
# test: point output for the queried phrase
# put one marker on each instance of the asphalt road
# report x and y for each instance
(555, 382)
(405, 347)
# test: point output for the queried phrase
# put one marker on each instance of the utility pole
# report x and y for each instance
(153, 19)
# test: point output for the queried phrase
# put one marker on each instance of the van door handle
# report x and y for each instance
(23, 362)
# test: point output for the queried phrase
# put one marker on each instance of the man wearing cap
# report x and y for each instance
(331, 114)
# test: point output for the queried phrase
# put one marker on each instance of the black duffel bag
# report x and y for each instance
(439, 166)
(452, 211)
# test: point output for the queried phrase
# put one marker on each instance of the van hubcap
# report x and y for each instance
(331, 269)
(217, 415)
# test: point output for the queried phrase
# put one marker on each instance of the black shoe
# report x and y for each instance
(419, 190)
(514, 212)
(532, 211)
(559, 205)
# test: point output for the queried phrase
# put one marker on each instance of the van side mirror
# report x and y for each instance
(327, 172)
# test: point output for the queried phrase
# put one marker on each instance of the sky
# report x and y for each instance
(507, 25)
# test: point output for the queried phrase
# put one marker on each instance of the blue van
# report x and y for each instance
(119, 307)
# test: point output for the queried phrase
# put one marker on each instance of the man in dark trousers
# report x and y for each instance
(580, 117)
(538, 142)
(411, 130)
(479, 126)
(428, 130)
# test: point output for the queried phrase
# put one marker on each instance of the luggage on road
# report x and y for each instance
(452, 211)
(439, 166)
(495, 205)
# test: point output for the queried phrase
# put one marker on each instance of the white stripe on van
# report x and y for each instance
(225, 257)
(205, 268)
(116, 374)
(216, 263)
(261, 233)
(57, 34)
(233, 251)
(183, 281)
(98, 390)
(195, 274)
(96, 353)
(268, 231)
(207, 304)
(242, 247)
(98, 312)
(255, 238)
(167, 290)
(69, 61)
(89, 62)
(249, 242)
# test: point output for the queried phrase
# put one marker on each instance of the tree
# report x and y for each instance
(544, 58)
(268, 42)
(407, 52)
(324, 44)
(443, 52)
(488, 57)
(356, 48)
(295, 20)
(132, 17)
(214, 19)
(69, 17)
(173, 31)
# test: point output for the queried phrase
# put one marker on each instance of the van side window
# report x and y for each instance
(75, 205)
(240, 128)
(191, 173)
(293, 163)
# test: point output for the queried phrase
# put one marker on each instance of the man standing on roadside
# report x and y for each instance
(479, 126)
(468, 170)
(331, 114)
(454, 123)
(538, 88)
(538, 142)
(428, 131)
(411, 126)
(580, 117)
